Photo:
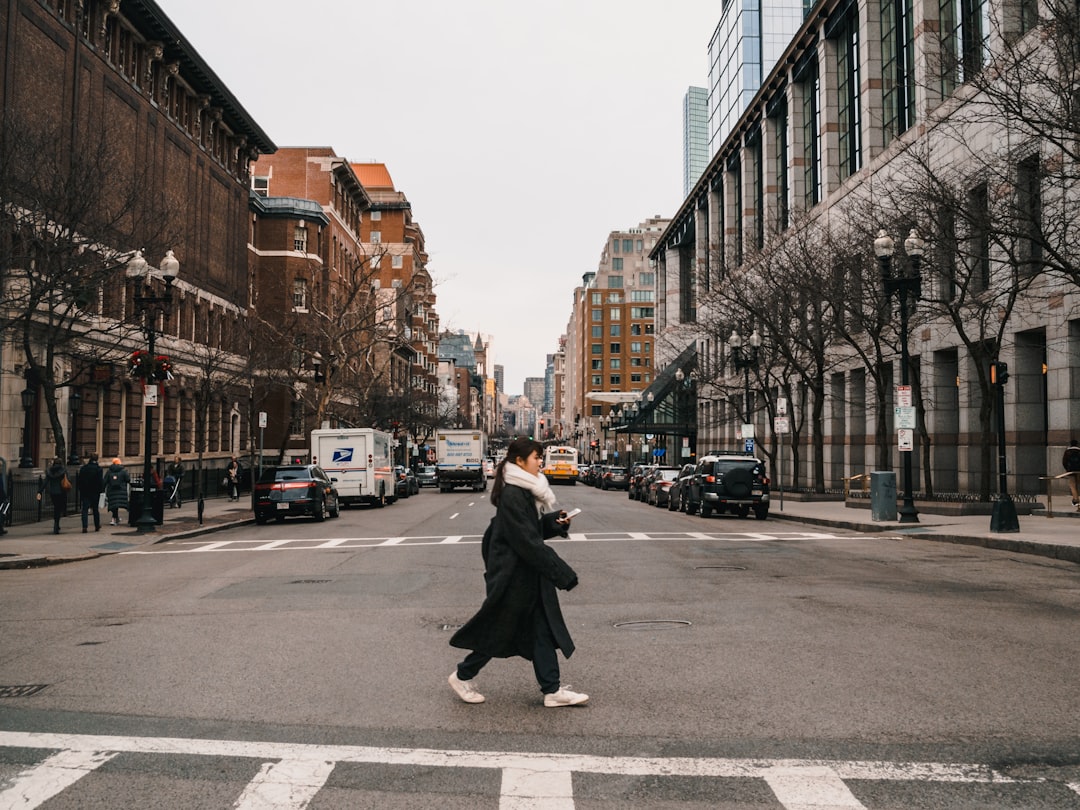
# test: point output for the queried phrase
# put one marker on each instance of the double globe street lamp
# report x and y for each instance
(907, 287)
(151, 368)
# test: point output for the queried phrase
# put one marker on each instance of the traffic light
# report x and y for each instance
(999, 373)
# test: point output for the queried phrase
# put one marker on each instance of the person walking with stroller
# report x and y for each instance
(56, 483)
(90, 481)
(174, 474)
(1070, 460)
(117, 481)
(520, 615)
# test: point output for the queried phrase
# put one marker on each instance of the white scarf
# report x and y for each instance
(536, 484)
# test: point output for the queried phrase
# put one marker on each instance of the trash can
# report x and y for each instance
(135, 504)
(883, 495)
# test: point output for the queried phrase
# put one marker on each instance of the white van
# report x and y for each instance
(358, 461)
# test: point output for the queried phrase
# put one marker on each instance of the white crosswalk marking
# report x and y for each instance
(536, 790)
(530, 781)
(36, 785)
(286, 785)
(814, 788)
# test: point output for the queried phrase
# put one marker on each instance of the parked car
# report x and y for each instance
(680, 488)
(489, 468)
(730, 482)
(658, 485)
(405, 483)
(614, 478)
(635, 485)
(296, 489)
(427, 476)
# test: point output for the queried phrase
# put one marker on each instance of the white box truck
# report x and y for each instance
(359, 462)
(460, 458)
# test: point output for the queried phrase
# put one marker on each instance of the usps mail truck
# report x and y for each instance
(358, 460)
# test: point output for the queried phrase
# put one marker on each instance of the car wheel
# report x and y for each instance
(320, 511)
(761, 512)
(260, 520)
(744, 511)
(279, 518)
(704, 511)
(336, 511)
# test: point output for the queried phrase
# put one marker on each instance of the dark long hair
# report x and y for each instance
(520, 448)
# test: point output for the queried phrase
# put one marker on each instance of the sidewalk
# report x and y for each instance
(29, 545)
(34, 544)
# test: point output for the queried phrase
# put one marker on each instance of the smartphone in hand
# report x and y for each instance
(572, 512)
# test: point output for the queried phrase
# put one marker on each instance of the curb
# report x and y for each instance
(24, 561)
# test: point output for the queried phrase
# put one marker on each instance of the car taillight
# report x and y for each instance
(710, 479)
(765, 479)
(293, 485)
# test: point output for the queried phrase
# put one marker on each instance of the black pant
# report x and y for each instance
(59, 506)
(545, 656)
(91, 503)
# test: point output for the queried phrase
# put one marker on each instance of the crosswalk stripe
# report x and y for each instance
(34, 786)
(526, 789)
(284, 785)
(813, 788)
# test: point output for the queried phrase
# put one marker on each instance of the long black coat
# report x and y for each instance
(521, 573)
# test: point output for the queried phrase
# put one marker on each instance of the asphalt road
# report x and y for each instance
(731, 663)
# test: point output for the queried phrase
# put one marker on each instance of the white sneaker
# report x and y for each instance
(112, 522)
(464, 689)
(564, 697)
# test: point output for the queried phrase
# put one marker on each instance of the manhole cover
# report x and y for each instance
(26, 690)
(652, 624)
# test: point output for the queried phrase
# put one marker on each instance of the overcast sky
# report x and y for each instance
(522, 133)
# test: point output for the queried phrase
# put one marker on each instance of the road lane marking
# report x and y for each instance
(451, 539)
(811, 788)
(524, 789)
(34, 786)
(284, 785)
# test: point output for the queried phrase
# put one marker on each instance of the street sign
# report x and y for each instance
(262, 419)
(781, 425)
(781, 406)
(903, 396)
(748, 430)
(748, 445)
(905, 416)
(905, 438)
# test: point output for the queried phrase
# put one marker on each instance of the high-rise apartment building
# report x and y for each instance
(695, 136)
(749, 39)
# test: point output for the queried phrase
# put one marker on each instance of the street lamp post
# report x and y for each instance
(745, 359)
(907, 288)
(151, 306)
(28, 396)
(74, 403)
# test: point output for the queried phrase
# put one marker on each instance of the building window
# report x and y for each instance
(615, 329)
(780, 164)
(635, 347)
(897, 66)
(811, 89)
(846, 32)
(616, 348)
(635, 361)
(397, 262)
(639, 245)
(300, 238)
(598, 365)
(627, 245)
(616, 362)
(597, 348)
(647, 279)
(965, 27)
(635, 329)
(614, 245)
(642, 313)
(614, 314)
(296, 418)
(635, 378)
(376, 215)
(617, 266)
(597, 298)
(597, 332)
(1029, 216)
(376, 237)
(979, 240)
(598, 315)
(597, 381)
(260, 186)
(615, 379)
(299, 293)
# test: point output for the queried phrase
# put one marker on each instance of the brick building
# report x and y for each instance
(112, 105)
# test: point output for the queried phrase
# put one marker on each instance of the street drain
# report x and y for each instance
(25, 690)
(652, 624)
(309, 581)
(722, 567)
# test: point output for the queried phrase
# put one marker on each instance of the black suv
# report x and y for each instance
(299, 489)
(729, 482)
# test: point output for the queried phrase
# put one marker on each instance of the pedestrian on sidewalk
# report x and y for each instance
(90, 481)
(5, 505)
(117, 481)
(175, 471)
(1070, 460)
(56, 483)
(520, 615)
(232, 474)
